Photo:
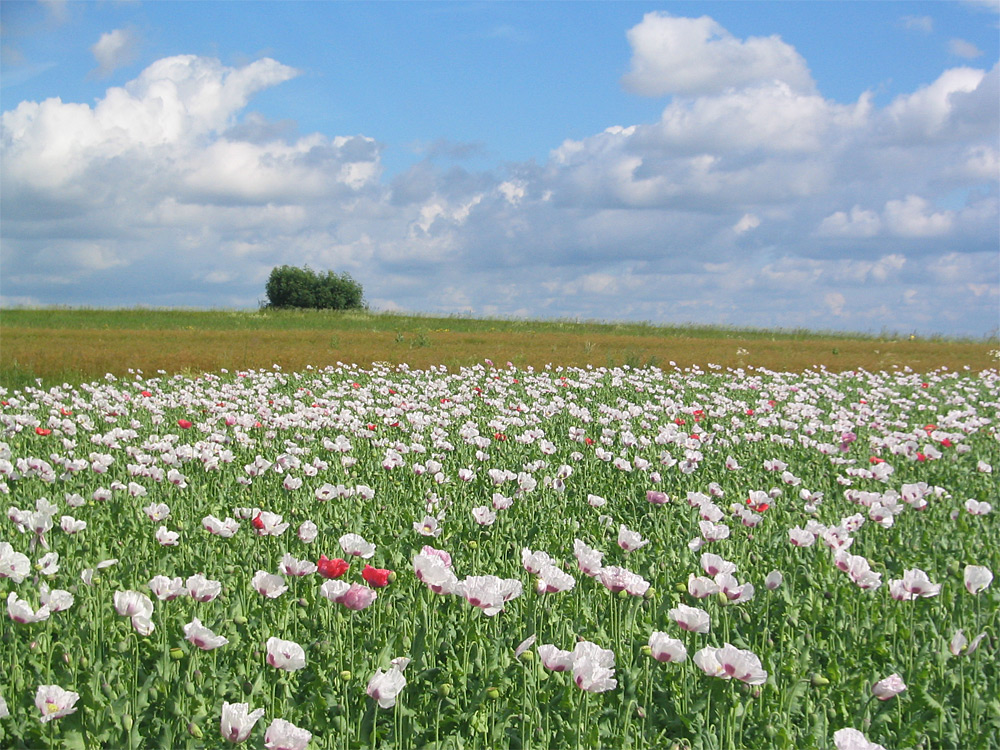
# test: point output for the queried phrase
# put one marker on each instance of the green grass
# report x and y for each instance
(360, 320)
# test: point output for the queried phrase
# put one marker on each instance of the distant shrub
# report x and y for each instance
(292, 287)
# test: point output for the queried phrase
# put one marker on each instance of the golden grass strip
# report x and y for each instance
(59, 353)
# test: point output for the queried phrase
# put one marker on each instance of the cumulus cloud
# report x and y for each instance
(857, 223)
(936, 110)
(923, 24)
(962, 48)
(115, 49)
(693, 56)
(752, 199)
(913, 217)
(746, 223)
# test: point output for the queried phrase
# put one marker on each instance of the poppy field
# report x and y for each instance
(502, 557)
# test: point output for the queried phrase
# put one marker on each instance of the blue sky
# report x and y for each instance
(817, 164)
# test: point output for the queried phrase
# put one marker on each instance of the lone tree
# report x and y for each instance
(289, 286)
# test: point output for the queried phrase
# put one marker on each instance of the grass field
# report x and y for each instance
(81, 345)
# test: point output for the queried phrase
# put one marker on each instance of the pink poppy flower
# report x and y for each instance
(852, 739)
(554, 658)
(238, 721)
(286, 655)
(692, 619)
(358, 597)
(666, 649)
(202, 637)
(283, 735)
(889, 687)
(54, 702)
(385, 687)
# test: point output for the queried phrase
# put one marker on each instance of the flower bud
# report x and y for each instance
(127, 722)
(194, 730)
(473, 544)
(818, 680)
(493, 692)
(240, 620)
(345, 675)
(444, 690)
(650, 593)
(646, 650)
(176, 653)
(247, 687)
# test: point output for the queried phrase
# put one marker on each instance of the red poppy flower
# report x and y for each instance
(43, 431)
(499, 436)
(371, 427)
(146, 394)
(184, 424)
(376, 577)
(65, 412)
(946, 443)
(759, 507)
(921, 457)
(258, 522)
(332, 568)
(588, 441)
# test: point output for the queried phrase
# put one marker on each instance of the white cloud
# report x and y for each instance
(859, 223)
(58, 10)
(746, 223)
(835, 301)
(962, 48)
(928, 111)
(861, 271)
(912, 217)
(772, 116)
(115, 49)
(988, 5)
(983, 163)
(693, 56)
(923, 24)
(172, 104)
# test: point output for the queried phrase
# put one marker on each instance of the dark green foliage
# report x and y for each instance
(289, 286)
